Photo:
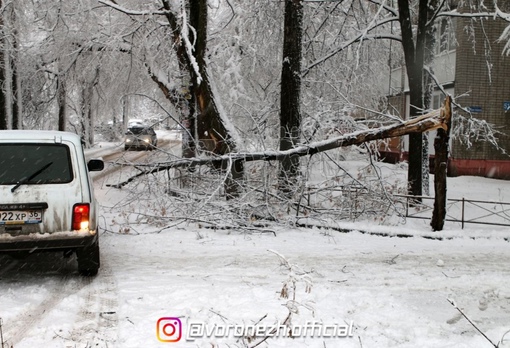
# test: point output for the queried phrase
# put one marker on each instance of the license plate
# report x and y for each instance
(15, 217)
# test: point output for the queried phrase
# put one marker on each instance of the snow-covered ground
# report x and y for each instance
(214, 285)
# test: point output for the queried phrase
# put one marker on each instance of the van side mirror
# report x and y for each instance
(95, 165)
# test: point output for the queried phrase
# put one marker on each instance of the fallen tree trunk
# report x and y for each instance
(434, 120)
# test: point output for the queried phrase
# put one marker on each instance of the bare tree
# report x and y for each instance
(212, 129)
(290, 96)
(184, 102)
(62, 103)
(4, 117)
(415, 53)
(16, 92)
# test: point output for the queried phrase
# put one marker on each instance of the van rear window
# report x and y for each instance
(35, 164)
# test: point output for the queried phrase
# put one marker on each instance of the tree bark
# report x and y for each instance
(62, 103)
(415, 55)
(290, 96)
(414, 74)
(17, 108)
(7, 67)
(428, 87)
(212, 132)
(440, 169)
(186, 102)
(85, 110)
(16, 93)
(3, 100)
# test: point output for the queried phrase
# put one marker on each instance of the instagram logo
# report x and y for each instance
(169, 329)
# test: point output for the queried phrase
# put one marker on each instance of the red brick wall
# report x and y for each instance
(483, 72)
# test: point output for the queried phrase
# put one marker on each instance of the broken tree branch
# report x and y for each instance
(436, 119)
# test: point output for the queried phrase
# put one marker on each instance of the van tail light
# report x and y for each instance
(81, 214)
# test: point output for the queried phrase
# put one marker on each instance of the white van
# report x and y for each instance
(46, 196)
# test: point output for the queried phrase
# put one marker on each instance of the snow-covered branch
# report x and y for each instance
(131, 12)
(505, 36)
(433, 120)
(190, 46)
(496, 14)
(361, 37)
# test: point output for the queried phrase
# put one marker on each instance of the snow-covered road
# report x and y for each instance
(394, 291)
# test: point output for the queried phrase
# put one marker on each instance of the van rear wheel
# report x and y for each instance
(88, 259)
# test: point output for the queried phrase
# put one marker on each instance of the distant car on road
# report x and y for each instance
(46, 196)
(140, 137)
(176, 127)
(136, 122)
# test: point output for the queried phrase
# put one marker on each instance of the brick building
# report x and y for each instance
(472, 67)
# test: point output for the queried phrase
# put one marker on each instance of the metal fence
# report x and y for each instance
(460, 210)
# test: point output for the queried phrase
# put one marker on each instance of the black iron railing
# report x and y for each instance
(460, 210)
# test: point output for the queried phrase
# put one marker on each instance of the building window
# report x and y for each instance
(436, 101)
(445, 35)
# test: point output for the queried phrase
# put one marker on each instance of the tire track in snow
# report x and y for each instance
(97, 320)
(24, 322)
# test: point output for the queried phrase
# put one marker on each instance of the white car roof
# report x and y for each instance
(136, 120)
(38, 135)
